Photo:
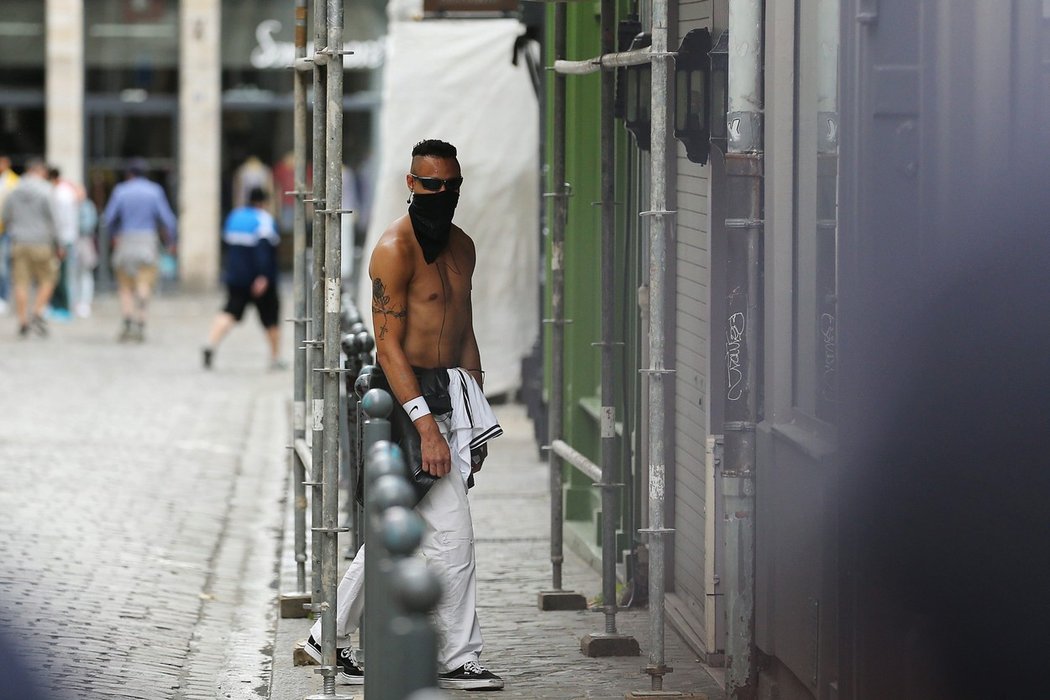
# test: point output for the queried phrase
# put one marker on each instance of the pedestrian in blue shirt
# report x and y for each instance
(250, 273)
(136, 215)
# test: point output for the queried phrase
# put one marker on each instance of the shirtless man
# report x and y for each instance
(425, 345)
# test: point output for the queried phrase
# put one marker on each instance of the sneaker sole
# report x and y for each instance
(451, 684)
(312, 653)
(347, 679)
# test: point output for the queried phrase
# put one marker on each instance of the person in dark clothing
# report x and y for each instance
(250, 274)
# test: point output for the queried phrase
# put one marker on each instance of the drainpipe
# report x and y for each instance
(744, 226)
(660, 221)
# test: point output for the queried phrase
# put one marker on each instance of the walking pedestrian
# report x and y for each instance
(250, 272)
(8, 181)
(428, 355)
(29, 220)
(67, 210)
(136, 216)
(87, 255)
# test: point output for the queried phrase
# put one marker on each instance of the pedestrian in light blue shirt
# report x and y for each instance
(137, 215)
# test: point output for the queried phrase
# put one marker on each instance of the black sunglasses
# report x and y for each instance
(434, 184)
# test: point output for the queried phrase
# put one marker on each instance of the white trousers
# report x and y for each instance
(448, 547)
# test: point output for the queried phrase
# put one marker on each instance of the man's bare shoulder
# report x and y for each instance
(461, 241)
(397, 244)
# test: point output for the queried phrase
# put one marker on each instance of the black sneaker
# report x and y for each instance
(206, 357)
(23, 331)
(349, 671)
(470, 676)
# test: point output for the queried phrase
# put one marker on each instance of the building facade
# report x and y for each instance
(876, 120)
(195, 87)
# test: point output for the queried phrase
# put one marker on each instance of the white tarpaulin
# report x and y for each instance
(454, 80)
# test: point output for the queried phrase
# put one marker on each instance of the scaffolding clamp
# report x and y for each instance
(657, 371)
(330, 529)
(659, 531)
(739, 426)
(327, 55)
(558, 321)
(658, 212)
(302, 65)
(335, 211)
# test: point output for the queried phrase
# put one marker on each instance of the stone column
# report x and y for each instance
(200, 128)
(65, 87)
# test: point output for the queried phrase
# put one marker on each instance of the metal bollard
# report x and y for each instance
(385, 487)
(399, 590)
(416, 590)
(349, 444)
(377, 405)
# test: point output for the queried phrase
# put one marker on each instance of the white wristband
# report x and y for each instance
(416, 408)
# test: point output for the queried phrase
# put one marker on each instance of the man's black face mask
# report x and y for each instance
(431, 216)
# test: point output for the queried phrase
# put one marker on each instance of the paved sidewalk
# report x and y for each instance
(537, 653)
(140, 506)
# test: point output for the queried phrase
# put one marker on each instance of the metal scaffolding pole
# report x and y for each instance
(558, 599)
(608, 253)
(660, 221)
(299, 136)
(332, 59)
(744, 225)
(316, 323)
(610, 643)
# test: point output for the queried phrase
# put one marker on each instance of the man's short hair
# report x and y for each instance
(258, 195)
(137, 166)
(434, 148)
(53, 173)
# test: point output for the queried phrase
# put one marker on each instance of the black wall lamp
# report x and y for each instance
(720, 90)
(637, 104)
(694, 93)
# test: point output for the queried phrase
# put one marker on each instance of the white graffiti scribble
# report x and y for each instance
(734, 368)
(828, 336)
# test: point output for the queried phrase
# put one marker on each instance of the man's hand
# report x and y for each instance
(259, 286)
(437, 460)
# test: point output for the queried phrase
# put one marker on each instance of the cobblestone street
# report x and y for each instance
(139, 505)
(142, 504)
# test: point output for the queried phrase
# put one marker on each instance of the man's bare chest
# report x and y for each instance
(439, 285)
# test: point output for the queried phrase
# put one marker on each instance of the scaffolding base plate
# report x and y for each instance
(595, 645)
(661, 694)
(561, 600)
(292, 605)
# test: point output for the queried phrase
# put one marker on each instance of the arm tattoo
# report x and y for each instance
(381, 305)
